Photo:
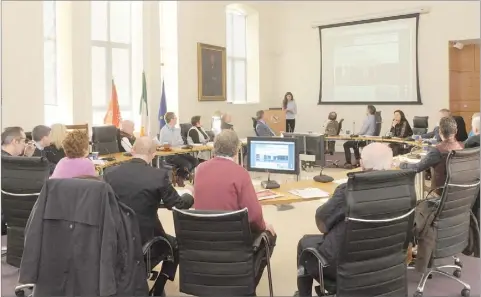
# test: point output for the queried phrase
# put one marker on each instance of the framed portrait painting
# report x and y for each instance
(211, 72)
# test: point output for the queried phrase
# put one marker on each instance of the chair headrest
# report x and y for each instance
(420, 122)
(104, 133)
(24, 161)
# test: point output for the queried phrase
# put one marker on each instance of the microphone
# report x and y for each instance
(321, 178)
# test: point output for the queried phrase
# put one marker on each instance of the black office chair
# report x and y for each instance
(332, 146)
(92, 195)
(184, 131)
(420, 125)
(254, 125)
(452, 215)
(28, 135)
(461, 134)
(379, 220)
(22, 181)
(217, 253)
(378, 117)
(104, 140)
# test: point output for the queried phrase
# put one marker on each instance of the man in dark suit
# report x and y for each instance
(212, 75)
(144, 189)
(41, 138)
(435, 133)
(473, 140)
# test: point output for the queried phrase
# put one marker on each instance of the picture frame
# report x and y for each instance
(211, 72)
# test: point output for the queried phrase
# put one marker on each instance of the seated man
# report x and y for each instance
(170, 135)
(262, 128)
(226, 120)
(472, 133)
(234, 187)
(331, 127)
(330, 221)
(368, 128)
(434, 159)
(473, 140)
(143, 188)
(14, 143)
(435, 133)
(126, 136)
(41, 138)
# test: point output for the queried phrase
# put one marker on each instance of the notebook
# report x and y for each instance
(266, 194)
(310, 193)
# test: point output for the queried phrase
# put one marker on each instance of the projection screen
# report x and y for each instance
(372, 61)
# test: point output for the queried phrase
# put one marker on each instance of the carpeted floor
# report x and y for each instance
(290, 225)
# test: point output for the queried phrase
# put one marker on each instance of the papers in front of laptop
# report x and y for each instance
(266, 194)
(98, 162)
(340, 181)
(310, 193)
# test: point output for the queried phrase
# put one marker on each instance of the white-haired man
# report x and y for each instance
(126, 137)
(330, 221)
(473, 140)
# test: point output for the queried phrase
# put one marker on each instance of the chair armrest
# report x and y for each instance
(432, 190)
(316, 254)
(150, 243)
(258, 242)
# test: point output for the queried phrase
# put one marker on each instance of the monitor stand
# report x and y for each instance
(270, 184)
(321, 178)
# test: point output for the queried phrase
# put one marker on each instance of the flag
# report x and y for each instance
(144, 109)
(113, 117)
(162, 108)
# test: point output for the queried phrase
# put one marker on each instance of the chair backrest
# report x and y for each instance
(216, 254)
(420, 122)
(339, 129)
(378, 117)
(28, 135)
(254, 125)
(452, 216)
(379, 219)
(84, 127)
(184, 130)
(104, 140)
(22, 181)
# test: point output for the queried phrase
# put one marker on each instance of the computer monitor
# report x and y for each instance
(311, 144)
(273, 155)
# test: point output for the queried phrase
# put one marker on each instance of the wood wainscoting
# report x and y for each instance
(464, 85)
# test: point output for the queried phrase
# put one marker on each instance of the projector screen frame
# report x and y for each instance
(367, 21)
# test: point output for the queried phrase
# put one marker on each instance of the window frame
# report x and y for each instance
(47, 38)
(109, 46)
(232, 59)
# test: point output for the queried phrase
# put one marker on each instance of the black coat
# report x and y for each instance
(53, 154)
(144, 189)
(43, 153)
(80, 241)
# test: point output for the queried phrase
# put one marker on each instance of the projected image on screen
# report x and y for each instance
(272, 155)
(369, 62)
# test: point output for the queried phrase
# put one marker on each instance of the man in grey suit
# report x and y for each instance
(262, 129)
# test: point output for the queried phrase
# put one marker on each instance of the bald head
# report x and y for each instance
(376, 156)
(144, 148)
(128, 127)
(226, 118)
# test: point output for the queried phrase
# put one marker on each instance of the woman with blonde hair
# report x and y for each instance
(54, 152)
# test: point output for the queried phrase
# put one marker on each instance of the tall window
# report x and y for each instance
(236, 56)
(50, 62)
(112, 28)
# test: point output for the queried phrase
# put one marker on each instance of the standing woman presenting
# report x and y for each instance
(290, 107)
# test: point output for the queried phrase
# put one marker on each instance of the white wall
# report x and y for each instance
(204, 21)
(298, 64)
(22, 63)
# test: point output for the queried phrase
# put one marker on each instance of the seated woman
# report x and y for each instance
(197, 135)
(331, 128)
(54, 152)
(400, 129)
(76, 163)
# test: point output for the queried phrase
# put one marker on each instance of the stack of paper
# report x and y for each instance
(310, 193)
(182, 191)
(340, 181)
(98, 162)
(266, 194)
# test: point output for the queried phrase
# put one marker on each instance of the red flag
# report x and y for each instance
(113, 116)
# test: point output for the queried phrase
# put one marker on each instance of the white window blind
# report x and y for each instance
(236, 56)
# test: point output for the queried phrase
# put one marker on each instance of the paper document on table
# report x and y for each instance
(266, 194)
(310, 193)
(98, 162)
(340, 181)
